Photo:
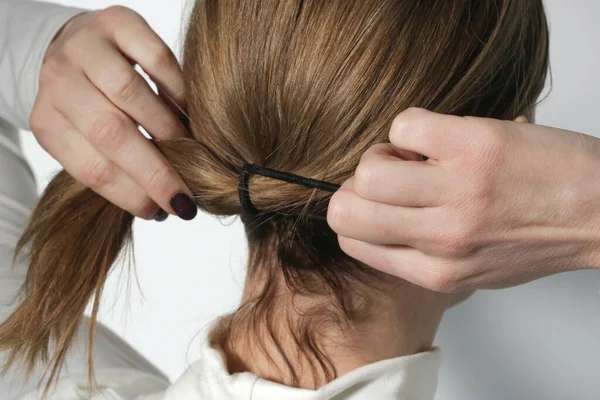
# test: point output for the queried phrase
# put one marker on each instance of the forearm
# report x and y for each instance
(27, 28)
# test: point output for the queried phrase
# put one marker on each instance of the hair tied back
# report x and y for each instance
(253, 169)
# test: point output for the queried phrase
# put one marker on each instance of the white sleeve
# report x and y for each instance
(26, 30)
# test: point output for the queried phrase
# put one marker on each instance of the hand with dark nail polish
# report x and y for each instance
(184, 207)
(111, 47)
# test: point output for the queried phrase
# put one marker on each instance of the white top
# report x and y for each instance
(27, 28)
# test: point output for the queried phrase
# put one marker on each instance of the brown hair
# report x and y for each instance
(304, 86)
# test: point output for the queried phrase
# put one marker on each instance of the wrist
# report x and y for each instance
(587, 204)
(591, 253)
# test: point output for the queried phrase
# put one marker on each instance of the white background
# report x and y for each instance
(538, 341)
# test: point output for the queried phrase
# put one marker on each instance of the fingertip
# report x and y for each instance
(184, 207)
(161, 215)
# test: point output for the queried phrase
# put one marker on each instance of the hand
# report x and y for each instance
(91, 101)
(497, 204)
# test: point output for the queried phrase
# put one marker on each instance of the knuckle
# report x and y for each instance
(496, 137)
(479, 186)
(454, 244)
(445, 280)
(481, 190)
(163, 58)
(36, 122)
(167, 127)
(397, 129)
(107, 131)
(52, 72)
(77, 44)
(406, 123)
(111, 16)
(118, 10)
(413, 113)
(490, 141)
(98, 173)
(160, 178)
(128, 86)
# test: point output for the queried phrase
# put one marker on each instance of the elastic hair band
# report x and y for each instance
(252, 169)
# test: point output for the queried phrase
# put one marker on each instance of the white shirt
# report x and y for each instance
(122, 373)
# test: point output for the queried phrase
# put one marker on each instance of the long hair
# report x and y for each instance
(304, 86)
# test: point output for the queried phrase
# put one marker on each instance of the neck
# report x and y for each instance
(399, 321)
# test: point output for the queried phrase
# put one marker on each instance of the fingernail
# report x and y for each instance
(184, 207)
(161, 215)
(186, 122)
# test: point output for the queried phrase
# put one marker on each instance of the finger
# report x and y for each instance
(384, 258)
(352, 216)
(430, 134)
(116, 136)
(388, 149)
(110, 72)
(138, 41)
(383, 177)
(87, 165)
(403, 262)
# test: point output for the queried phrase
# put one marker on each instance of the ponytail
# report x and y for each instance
(73, 238)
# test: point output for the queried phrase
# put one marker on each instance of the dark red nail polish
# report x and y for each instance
(161, 215)
(184, 207)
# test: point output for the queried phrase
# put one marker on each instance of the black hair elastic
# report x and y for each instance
(252, 169)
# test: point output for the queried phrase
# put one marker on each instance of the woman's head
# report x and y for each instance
(303, 86)
(307, 86)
